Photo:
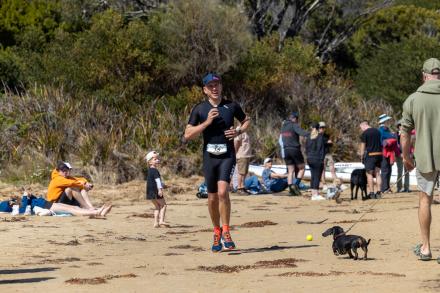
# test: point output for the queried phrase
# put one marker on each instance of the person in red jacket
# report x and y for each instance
(67, 189)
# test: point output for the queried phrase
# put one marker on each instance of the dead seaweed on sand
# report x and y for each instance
(144, 215)
(95, 264)
(337, 273)
(74, 242)
(257, 224)
(186, 246)
(125, 238)
(97, 280)
(265, 264)
(311, 222)
(354, 221)
(15, 219)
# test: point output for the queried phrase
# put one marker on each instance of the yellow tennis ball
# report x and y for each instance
(309, 237)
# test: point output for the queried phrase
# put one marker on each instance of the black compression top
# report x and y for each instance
(214, 133)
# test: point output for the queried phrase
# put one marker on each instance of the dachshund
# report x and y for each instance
(358, 179)
(343, 244)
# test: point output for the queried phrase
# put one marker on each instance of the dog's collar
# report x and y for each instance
(339, 235)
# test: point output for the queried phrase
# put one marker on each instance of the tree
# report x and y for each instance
(199, 36)
(289, 18)
(393, 25)
(18, 16)
(394, 71)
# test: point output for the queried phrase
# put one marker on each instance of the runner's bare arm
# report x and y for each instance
(233, 132)
(192, 131)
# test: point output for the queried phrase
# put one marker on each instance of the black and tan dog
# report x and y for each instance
(343, 244)
(358, 179)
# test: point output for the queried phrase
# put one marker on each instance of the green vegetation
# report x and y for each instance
(99, 83)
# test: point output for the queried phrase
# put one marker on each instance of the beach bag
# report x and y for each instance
(202, 191)
(5, 207)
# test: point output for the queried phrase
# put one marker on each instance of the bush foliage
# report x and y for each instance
(99, 83)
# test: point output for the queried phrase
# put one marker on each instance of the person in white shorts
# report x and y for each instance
(420, 112)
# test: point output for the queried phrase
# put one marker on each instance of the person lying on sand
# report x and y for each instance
(56, 207)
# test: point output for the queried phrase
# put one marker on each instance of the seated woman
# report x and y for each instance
(274, 182)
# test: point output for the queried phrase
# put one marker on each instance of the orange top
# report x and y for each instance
(59, 183)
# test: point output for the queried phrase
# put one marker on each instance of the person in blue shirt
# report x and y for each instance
(273, 182)
(385, 168)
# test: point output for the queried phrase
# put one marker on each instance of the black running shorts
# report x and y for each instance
(66, 200)
(217, 168)
(293, 156)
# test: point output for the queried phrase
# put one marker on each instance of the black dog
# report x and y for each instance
(343, 244)
(359, 179)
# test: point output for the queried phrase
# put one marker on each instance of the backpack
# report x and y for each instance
(202, 191)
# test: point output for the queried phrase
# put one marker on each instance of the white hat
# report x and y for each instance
(322, 124)
(67, 164)
(63, 166)
(150, 155)
(383, 118)
(267, 160)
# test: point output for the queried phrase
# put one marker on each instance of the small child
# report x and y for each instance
(155, 189)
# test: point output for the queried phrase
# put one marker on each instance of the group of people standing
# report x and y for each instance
(317, 149)
(379, 149)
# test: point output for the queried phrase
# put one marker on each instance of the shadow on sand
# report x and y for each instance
(26, 271)
(24, 281)
(264, 249)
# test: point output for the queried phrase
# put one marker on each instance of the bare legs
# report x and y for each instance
(77, 211)
(241, 181)
(370, 180)
(219, 205)
(81, 196)
(160, 207)
(300, 169)
(425, 202)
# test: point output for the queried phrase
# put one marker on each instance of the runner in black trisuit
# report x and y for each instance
(215, 119)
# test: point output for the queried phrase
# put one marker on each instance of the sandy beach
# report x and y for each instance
(124, 253)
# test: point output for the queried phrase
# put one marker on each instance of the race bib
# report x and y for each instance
(216, 149)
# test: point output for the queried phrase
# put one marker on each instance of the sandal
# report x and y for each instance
(417, 251)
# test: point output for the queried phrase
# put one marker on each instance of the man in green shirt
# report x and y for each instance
(421, 112)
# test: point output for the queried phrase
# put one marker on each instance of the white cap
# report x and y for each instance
(64, 165)
(267, 160)
(322, 124)
(383, 118)
(150, 155)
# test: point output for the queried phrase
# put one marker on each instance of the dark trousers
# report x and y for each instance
(316, 168)
(385, 173)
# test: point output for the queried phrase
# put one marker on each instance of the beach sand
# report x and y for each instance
(124, 253)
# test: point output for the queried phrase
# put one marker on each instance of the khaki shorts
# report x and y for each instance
(328, 160)
(243, 166)
(426, 181)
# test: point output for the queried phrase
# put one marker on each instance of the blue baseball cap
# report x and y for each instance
(294, 114)
(211, 77)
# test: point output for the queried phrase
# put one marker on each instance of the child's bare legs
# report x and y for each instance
(156, 212)
(163, 208)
